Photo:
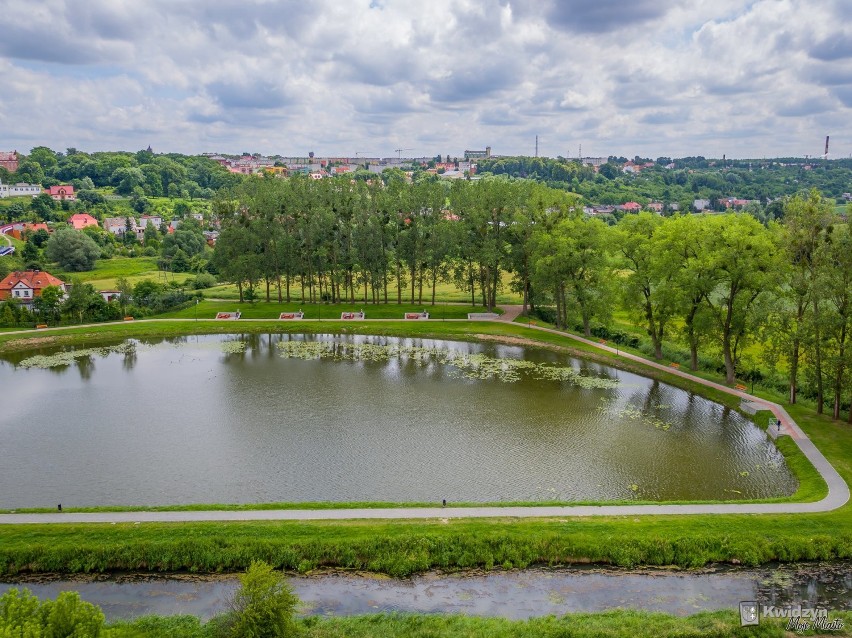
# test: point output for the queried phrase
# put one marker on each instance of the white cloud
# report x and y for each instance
(745, 78)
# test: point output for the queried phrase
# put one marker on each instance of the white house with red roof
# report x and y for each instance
(25, 285)
(61, 192)
(80, 220)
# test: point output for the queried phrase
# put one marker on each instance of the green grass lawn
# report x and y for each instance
(444, 292)
(261, 310)
(134, 269)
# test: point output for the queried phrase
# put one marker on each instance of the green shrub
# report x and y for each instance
(22, 615)
(262, 607)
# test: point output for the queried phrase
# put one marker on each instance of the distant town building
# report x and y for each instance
(486, 154)
(9, 161)
(594, 161)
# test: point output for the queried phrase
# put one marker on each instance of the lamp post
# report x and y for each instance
(196, 309)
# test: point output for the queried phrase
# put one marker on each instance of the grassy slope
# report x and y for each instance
(107, 271)
(610, 624)
(404, 547)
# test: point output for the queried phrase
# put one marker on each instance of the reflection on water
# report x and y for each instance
(194, 420)
(519, 594)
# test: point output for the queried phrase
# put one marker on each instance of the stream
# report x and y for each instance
(513, 594)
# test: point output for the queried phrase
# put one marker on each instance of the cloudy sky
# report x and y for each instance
(623, 77)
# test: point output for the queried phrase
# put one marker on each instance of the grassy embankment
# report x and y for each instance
(404, 547)
(610, 624)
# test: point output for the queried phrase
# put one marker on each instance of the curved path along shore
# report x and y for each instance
(838, 490)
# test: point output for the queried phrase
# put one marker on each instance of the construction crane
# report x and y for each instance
(825, 155)
(399, 151)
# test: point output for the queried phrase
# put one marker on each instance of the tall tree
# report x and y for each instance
(649, 274)
(745, 257)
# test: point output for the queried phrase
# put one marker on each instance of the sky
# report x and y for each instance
(653, 78)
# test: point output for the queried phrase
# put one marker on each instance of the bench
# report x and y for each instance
(674, 365)
(417, 315)
(602, 342)
(291, 315)
(741, 387)
(41, 326)
(482, 316)
(128, 318)
(352, 315)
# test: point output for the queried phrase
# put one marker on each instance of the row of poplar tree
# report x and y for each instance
(726, 286)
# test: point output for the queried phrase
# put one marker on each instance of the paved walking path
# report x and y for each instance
(838, 491)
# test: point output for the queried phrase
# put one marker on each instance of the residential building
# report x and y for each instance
(19, 228)
(61, 192)
(80, 220)
(631, 207)
(700, 204)
(118, 225)
(20, 189)
(110, 295)
(9, 161)
(150, 220)
(25, 285)
(657, 207)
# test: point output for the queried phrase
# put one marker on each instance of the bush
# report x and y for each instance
(203, 280)
(263, 606)
(21, 614)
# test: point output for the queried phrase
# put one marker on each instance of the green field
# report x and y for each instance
(134, 269)
(404, 547)
(444, 292)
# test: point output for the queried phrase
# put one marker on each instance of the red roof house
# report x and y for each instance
(63, 191)
(632, 206)
(80, 220)
(25, 285)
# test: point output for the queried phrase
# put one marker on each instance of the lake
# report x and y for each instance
(286, 418)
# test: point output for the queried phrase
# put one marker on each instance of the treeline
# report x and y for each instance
(142, 173)
(723, 286)
(690, 179)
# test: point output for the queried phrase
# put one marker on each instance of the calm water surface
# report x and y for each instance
(182, 421)
(518, 594)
